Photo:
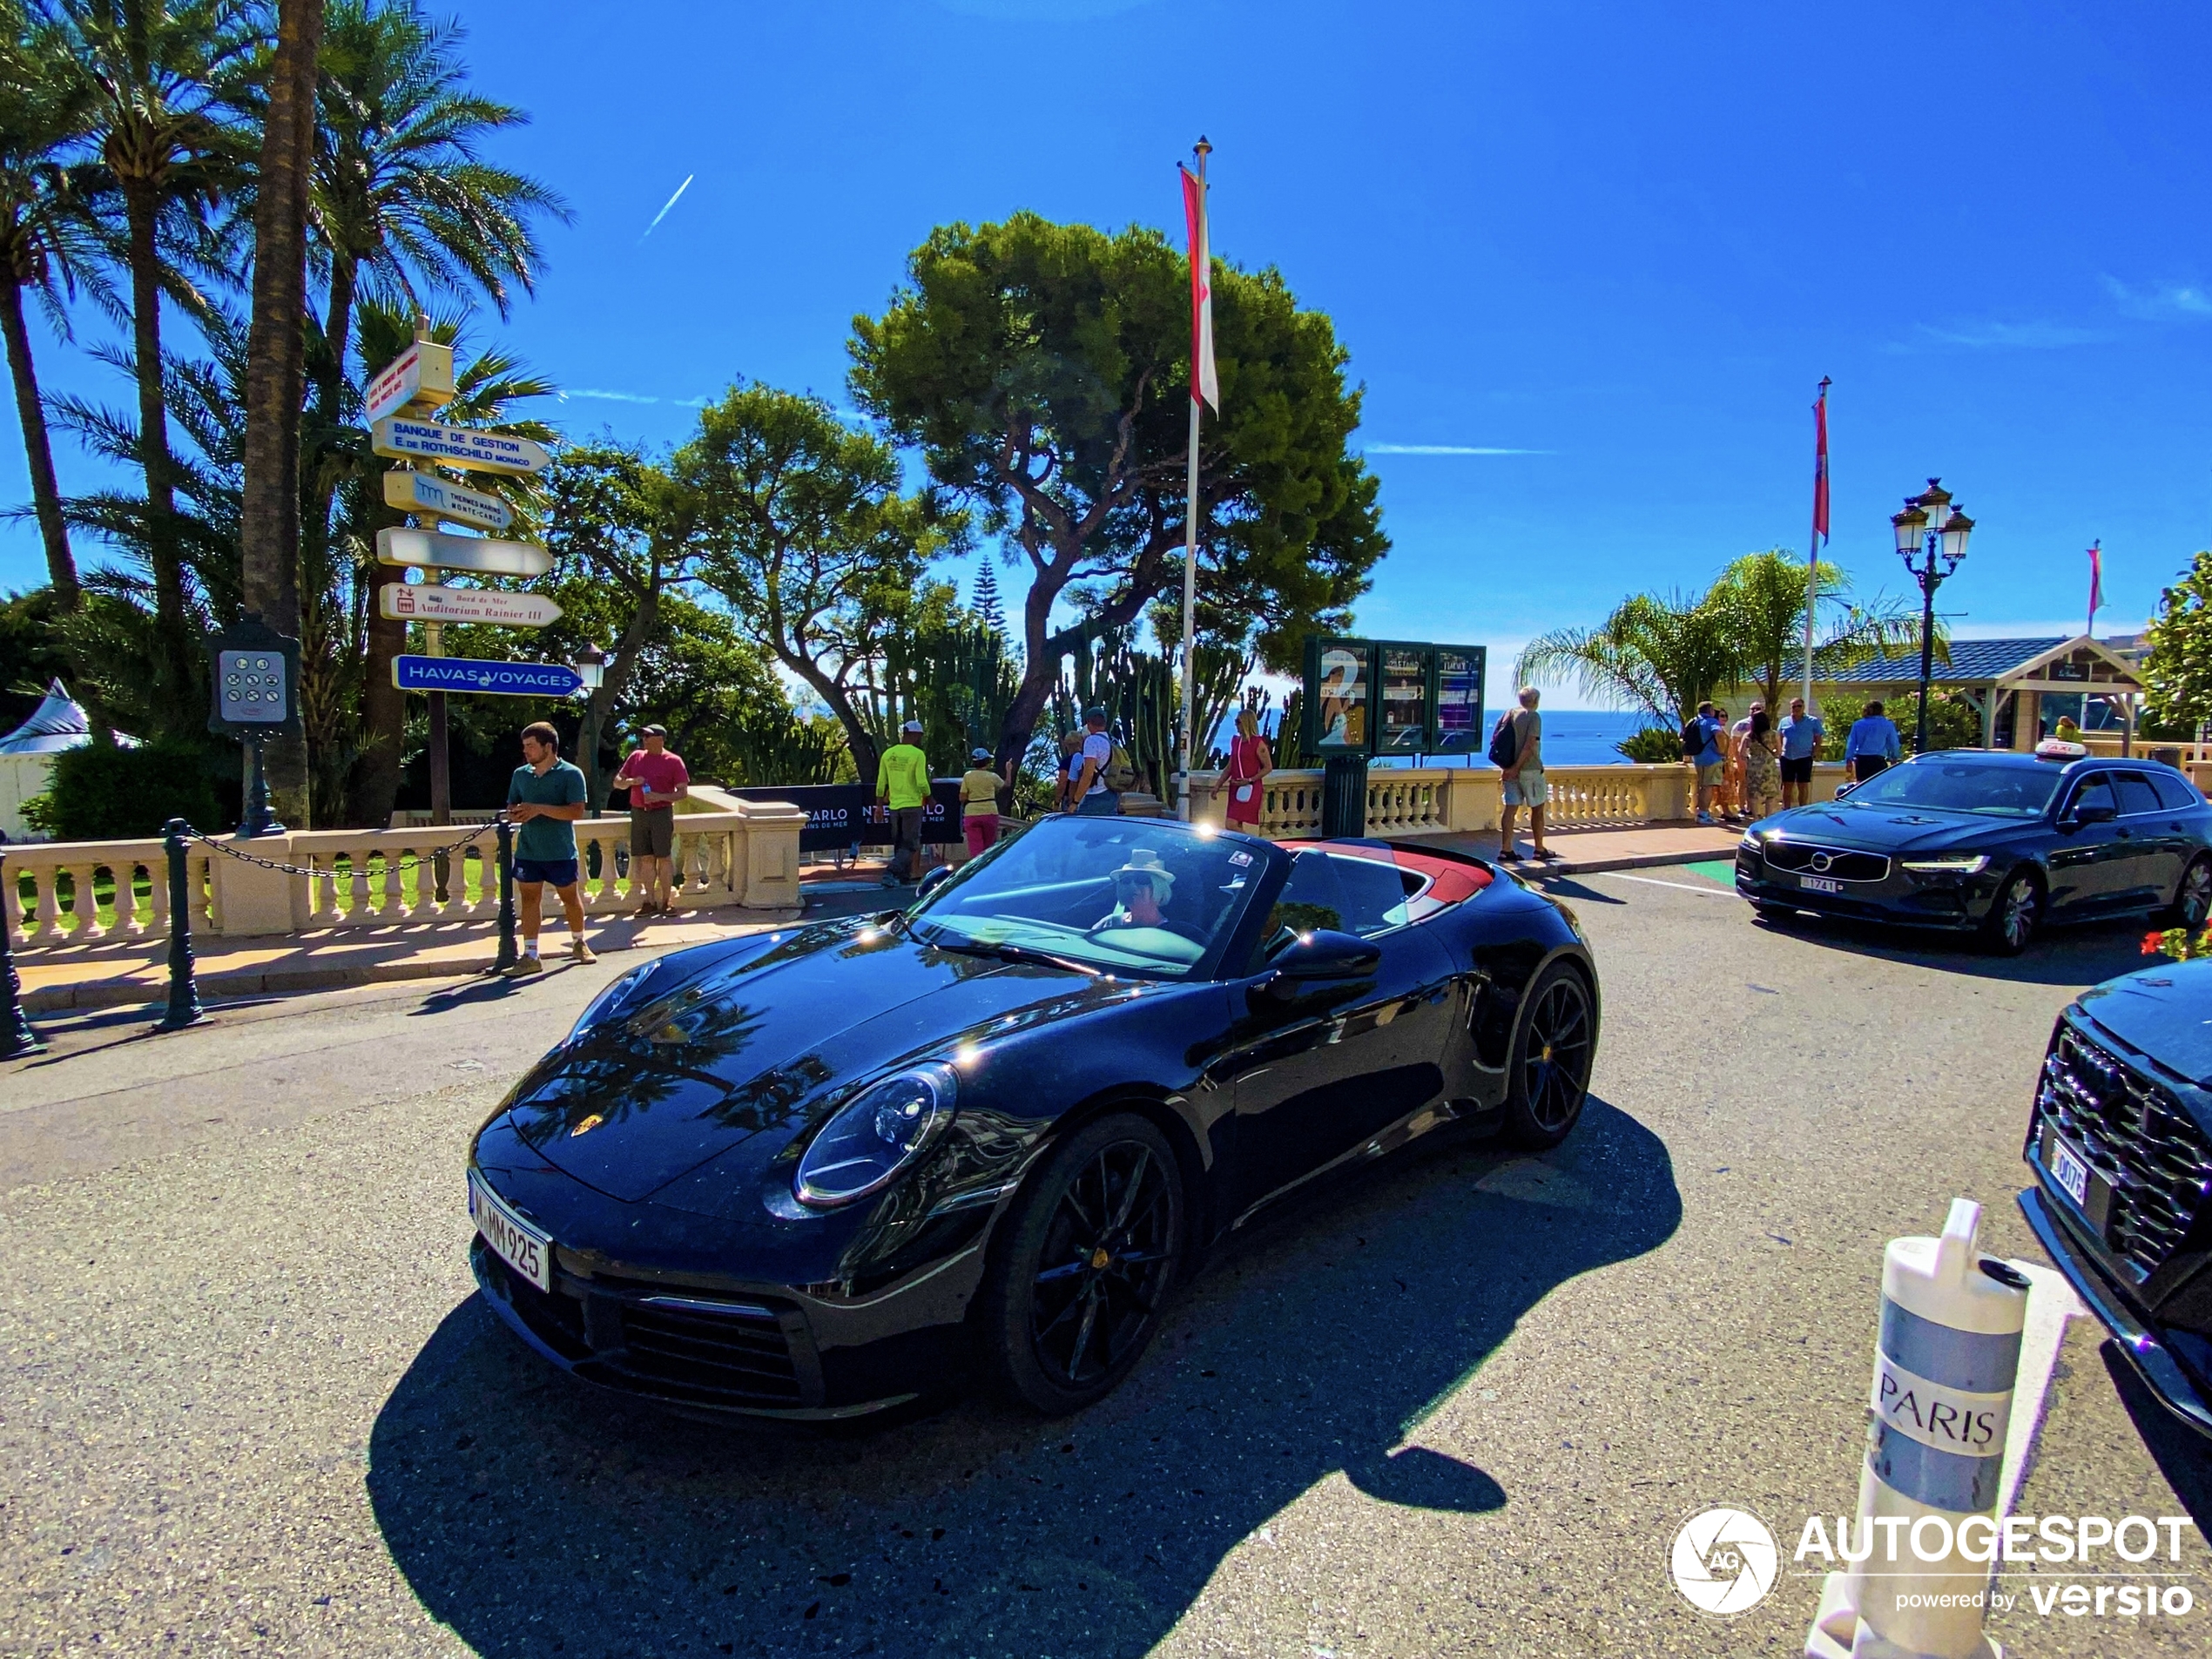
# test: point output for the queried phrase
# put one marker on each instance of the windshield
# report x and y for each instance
(1121, 896)
(1962, 786)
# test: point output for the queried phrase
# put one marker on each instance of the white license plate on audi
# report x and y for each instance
(1820, 884)
(2069, 1171)
(529, 1251)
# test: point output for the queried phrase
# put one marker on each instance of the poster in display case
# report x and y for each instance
(1392, 697)
(1403, 681)
(1339, 695)
(1460, 669)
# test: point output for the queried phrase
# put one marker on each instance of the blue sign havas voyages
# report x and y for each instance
(483, 679)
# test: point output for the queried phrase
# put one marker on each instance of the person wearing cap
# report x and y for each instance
(1086, 783)
(979, 803)
(657, 778)
(902, 785)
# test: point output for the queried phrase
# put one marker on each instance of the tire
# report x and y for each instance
(1549, 1077)
(2015, 913)
(1092, 1245)
(2192, 905)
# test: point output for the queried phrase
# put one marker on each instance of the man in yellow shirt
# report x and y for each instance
(902, 784)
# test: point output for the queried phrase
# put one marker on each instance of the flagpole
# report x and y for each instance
(1190, 540)
(1812, 544)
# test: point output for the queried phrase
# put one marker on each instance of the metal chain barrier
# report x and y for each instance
(434, 854)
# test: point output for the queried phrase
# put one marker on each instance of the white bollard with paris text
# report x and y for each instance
(1945, 1363)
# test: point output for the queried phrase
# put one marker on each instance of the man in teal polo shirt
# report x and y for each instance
(545, 797)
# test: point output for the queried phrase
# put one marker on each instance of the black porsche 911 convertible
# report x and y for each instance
(815, 1173)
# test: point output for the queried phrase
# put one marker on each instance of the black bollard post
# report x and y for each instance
(16, 1036)
(507, 954)
(184, 990)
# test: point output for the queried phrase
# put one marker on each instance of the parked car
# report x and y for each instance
(814, 1172)
(1990, 842)
(2120, 1142)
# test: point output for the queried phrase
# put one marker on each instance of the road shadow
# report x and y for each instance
(533, 1515)
(1565, 886)
(2082, 954)
(2183, 1456)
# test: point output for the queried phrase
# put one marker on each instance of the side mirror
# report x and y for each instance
(2092, 812)
(934, 880)
(1843, 790)
(1322, 954)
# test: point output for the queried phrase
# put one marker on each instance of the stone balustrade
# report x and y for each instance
(1451, 800)
(733, 852)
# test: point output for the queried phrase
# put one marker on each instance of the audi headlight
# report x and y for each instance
(1973, 865)
(876, 1134)
(611, 994)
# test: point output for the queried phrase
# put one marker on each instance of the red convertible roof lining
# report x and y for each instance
(1451, 881)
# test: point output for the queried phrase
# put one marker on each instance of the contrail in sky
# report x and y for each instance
(670, 203)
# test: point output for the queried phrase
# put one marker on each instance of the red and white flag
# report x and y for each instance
(1820, 468)
(2096, 579)
(1204, 386)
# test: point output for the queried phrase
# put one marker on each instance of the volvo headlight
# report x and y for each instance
(611, 993)
(1973, 865)
(1751, 843)
(876, 1134)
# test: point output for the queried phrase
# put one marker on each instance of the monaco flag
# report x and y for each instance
(2096, 578)
(1820, 468)
(1204, 386)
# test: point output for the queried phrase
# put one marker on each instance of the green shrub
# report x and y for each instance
(1655, 745)
(101, 792)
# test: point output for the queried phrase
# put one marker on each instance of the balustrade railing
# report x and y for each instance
(79, 892)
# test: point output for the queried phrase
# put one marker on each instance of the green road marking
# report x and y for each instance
(1721, 871)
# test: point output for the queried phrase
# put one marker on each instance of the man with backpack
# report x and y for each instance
(1097, 771)
(1518, 747)
(1700, 744)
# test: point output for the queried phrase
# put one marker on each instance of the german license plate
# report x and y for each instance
(529, 1251)
(2069, 1171)
(1820, 884)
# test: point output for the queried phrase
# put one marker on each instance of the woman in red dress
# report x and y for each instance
(1245, 779)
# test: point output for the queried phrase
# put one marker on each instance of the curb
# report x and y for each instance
(248, 982)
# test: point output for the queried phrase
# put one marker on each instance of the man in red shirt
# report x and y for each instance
(657, 778)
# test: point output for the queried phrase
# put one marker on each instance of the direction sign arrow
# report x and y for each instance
(482, 678)
(399, 437)
(427, 602)
(421, 374)
(422, 492)
(436, 550)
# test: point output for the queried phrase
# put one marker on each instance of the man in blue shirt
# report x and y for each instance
(1801, 735)
(546, 798)
(1709, 728)
(1873, 744)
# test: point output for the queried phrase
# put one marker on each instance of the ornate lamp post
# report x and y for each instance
(1930, 530)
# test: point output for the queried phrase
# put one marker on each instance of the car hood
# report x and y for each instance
(1887, 829)
(2164, 1012)
(748, 1047)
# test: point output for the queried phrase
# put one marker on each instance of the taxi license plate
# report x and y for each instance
(1820, 884)
(521, 1246)
(2070, 1172)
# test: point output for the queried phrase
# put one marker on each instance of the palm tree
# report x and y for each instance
(346, 591)
(1764, 595)
(46, 240)
(1663, 654)
(164, 78)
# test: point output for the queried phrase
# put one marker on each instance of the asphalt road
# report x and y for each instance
(250, 1401)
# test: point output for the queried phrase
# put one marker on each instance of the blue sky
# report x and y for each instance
(1618, 244)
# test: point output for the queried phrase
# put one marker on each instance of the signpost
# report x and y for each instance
(422, 492)
(436, 550)
(427, 602)
(422, 374)
(254, 691)
(406, 439)
(484, 679)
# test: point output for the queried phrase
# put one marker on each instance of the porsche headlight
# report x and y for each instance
(609, 993)
(1973, 865)
(876, 1134)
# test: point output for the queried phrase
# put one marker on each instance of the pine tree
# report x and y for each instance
(986, 601)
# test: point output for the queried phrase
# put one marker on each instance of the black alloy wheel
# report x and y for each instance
(2015, 914)
(1551, 1058)
(2192, 904)
(1092, 1245)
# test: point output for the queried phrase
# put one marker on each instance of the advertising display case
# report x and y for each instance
(1392, 697)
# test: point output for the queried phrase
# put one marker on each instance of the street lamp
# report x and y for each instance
(591, 667)
(1931, 529)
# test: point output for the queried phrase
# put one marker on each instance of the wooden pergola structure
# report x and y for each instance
(2006, 681)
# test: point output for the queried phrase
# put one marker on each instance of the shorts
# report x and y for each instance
(554, 873)
(1527, 790)
(1865, 766)
(1709, 777)
(1797, 772)
(652, 833)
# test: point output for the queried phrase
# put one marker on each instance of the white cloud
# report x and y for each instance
(2039, 335)
(2161, 302)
